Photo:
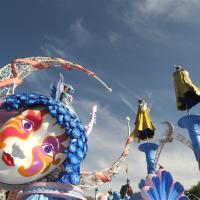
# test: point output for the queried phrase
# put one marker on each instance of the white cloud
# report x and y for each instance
(55, 46)
(76, 36)
(50, 50)
(129, 91)
(114, 38)
(174, 10)
(179, 11)
(81, 35)
(128, 103)
(148, 18)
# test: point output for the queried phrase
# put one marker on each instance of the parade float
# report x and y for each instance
(43, 141)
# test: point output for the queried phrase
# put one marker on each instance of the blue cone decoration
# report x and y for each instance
(192, 123)
(150, 151)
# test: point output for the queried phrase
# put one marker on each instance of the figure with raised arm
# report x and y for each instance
(62, 92)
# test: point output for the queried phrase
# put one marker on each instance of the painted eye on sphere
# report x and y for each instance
(48, 149)
(27, 125)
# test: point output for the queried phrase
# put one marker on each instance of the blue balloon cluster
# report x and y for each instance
(76, 151)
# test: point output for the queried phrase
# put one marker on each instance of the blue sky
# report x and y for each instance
(132, 46)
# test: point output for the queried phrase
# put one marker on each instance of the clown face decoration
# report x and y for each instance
(32, 145)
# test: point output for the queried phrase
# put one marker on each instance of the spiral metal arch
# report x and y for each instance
(168, 137)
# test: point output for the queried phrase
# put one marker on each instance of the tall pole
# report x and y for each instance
(150, 152)
(192, 123)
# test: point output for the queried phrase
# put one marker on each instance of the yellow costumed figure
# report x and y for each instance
(187, 94)
(144, 128)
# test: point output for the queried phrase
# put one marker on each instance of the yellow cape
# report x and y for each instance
(187, 94)
(143, 125)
